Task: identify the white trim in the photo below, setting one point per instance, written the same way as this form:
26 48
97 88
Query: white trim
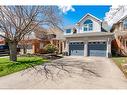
85 48
97 40
87 26
88 31
108 48
76 41
107 51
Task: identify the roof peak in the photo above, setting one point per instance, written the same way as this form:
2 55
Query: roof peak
89 15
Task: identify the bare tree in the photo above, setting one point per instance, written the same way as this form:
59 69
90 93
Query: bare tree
17 21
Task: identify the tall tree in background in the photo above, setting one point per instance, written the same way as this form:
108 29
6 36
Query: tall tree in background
17 21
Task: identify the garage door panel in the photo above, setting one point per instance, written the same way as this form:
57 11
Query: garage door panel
76 49
97 49
77 52
97 53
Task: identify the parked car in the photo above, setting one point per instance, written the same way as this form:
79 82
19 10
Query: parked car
4 50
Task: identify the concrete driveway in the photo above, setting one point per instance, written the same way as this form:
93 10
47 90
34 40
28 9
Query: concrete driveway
84 73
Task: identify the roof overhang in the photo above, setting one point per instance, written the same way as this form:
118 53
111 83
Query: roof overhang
92 34
62 39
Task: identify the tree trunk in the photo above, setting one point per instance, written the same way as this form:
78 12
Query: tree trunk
24 49
13 51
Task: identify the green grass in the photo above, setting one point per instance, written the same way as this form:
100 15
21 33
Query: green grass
8 67
119 61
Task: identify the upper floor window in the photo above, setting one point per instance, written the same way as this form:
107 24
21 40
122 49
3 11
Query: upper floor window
125 24
88 25
68 30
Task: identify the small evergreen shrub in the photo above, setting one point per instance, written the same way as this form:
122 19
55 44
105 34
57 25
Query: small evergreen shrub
50 48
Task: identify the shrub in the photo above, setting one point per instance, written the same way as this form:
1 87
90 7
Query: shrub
50 48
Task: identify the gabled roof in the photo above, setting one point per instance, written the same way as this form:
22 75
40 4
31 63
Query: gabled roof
88 14
117 22
56 31
69 26
122 18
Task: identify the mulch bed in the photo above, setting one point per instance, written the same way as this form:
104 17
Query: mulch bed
46 56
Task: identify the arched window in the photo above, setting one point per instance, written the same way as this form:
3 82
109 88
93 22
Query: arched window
88 25
125 24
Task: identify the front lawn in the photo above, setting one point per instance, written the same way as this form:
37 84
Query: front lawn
8 67
119 62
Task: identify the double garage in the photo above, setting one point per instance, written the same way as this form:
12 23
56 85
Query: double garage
92 48
89 44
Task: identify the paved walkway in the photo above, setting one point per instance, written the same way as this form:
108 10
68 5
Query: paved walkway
86 72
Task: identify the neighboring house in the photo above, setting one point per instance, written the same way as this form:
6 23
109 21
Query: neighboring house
88 38
59 39
37 40
117 19
32 43
119 45
2 41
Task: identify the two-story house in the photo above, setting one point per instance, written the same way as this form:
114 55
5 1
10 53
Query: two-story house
88 38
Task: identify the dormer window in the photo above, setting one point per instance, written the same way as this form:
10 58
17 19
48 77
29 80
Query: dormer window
88 25
68 30
125 24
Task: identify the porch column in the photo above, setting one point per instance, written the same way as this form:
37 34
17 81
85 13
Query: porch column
51 41
59 46
108 54
86 48
67 47
63 47
33 46
125 44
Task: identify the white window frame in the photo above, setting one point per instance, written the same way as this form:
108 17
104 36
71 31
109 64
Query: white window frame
87 26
